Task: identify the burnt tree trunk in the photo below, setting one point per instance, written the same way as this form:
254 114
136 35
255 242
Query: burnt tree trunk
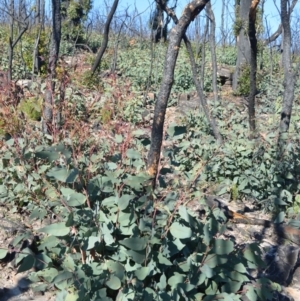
203 51
199 88
212 42
175 37
53 58
243 44
289 76
99 56
253 64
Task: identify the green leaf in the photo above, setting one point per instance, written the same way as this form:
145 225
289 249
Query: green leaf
163 260
162 284
135 243
279 218
58 229
250 293
133 154
136 256
90 242
176 279
223 247
62 276
180 231
118 138
116 268
72 198
240 268
27 263
124 200
142 273
207 271
3 253
113 283
42 261
63 174
48 274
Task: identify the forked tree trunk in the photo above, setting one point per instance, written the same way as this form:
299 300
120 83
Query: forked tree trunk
99 56
175 37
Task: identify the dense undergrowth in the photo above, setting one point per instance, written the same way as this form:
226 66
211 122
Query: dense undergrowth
112 237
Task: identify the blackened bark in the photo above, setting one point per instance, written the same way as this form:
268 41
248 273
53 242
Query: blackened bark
212 42
253 64
53 57
203 51
289 76
175 37
197 83
99 56
243 44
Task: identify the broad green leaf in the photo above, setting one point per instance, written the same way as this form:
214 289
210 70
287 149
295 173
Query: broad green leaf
207 271
240 268
48 274
72 198
279 218
180 231
3 191
27 263
62 276
48 243
116 268
212 288
3 253
250 293
113 283
162 282
222 247
58 229
232 286
142 273
42 261
124 200
112 165
176 279
119 138
163 260
63 174
136 256
135 243
133 154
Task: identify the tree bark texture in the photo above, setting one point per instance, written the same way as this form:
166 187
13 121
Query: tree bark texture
212 42
289 76
53 57
203 102
253 64
99 56
175 37
243 44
